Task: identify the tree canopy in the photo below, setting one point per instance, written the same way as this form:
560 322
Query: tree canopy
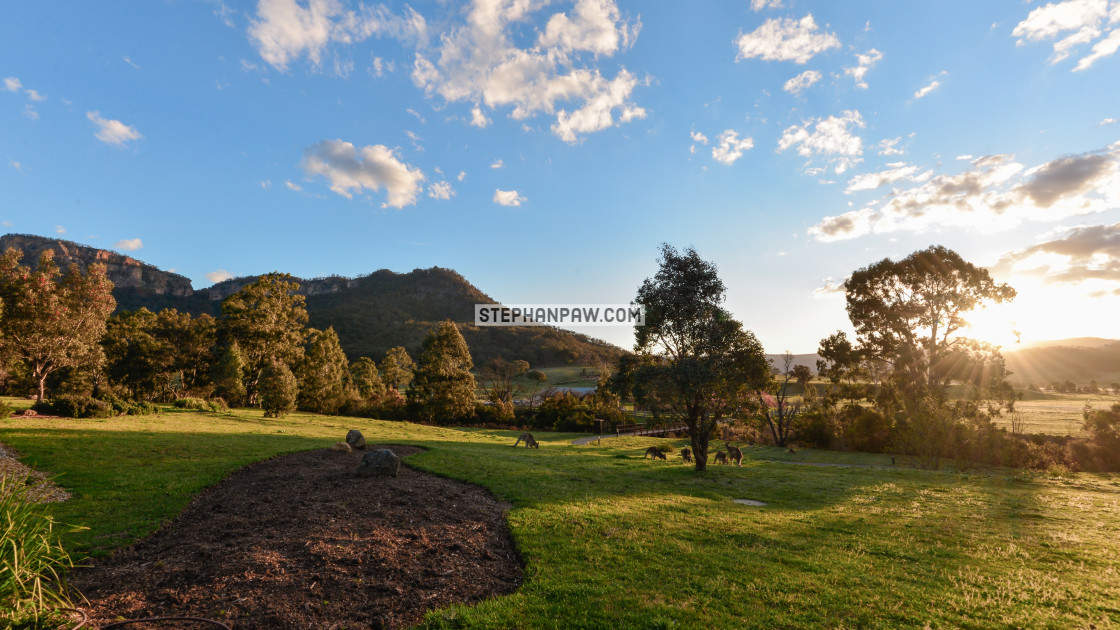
693 360
443 388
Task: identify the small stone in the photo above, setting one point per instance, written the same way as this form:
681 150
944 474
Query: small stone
342 446
355 440
379 463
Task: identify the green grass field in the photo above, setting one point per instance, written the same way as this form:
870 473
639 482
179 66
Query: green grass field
611 540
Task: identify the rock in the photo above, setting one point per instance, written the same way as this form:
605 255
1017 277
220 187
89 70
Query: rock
342 446
379 463
355 440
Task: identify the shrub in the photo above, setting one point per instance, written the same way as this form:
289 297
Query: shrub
33 562
75 407
278 389
199 404
665 448
6 410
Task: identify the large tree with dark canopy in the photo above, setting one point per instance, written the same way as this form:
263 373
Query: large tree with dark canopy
909 313
693 360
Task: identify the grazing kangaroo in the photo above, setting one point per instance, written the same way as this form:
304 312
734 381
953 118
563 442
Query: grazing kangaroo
735 454
529 441
721 457
652 452
686 454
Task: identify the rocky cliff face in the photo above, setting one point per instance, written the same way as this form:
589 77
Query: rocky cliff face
315 286
125 272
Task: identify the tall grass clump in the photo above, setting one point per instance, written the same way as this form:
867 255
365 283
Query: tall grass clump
33 562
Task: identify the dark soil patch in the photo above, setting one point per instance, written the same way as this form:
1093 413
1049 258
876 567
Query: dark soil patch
301 542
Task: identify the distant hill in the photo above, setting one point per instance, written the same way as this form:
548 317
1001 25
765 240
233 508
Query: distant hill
370 313
808 360
1079 360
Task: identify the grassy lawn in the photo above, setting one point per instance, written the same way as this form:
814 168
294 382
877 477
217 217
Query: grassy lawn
612 540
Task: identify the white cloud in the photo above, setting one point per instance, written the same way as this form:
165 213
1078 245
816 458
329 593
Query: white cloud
1084 20
508 197
35 95
30 111
830 287
1078 254
1105 47
802 82
128 244
497 163
266 184
479 61
462 175
221 275
899 171
285 30
350 169
758 5
113 131
889 146
58 229
16 165
12 84
130 62
1106 121
921 93
729 147
292 185
785 39
866 61
698 137
996 193
478 119
441 190
830 137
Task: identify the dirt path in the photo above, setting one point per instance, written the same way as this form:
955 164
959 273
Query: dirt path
300 542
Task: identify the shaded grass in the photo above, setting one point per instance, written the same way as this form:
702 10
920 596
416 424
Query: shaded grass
613 540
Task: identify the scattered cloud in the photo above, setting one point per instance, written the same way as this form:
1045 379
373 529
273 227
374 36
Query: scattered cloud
266 184
898 171
698 137
829 287
416 114
283 30
478 61
1073 23
16 165
128 244
12 84
497 163
829 137
923 92
1106 121
995 193
35 95
441 190
801 82
508 197
1077 254
30 112
729 147
462 175
478 119
221 275
292 185
758 5
350 169
58 229
785 39
130 62
889 146
866 61
112 131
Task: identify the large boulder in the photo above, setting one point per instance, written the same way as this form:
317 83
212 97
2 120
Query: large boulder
355 440
379 463
342 446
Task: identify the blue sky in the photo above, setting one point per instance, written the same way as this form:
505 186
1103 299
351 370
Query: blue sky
545 149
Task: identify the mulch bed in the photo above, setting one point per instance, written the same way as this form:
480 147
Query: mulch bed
300 541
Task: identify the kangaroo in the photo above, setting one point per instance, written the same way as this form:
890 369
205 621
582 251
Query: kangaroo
652 453
721 457
735 454
529 441
686 454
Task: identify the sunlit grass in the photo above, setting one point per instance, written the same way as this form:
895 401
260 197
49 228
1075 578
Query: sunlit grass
613 540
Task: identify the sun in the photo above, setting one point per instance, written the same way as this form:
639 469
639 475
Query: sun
995 324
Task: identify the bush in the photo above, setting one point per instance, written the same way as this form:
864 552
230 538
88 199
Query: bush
6 410
665 448
199 404
75 407
33 562
278 389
